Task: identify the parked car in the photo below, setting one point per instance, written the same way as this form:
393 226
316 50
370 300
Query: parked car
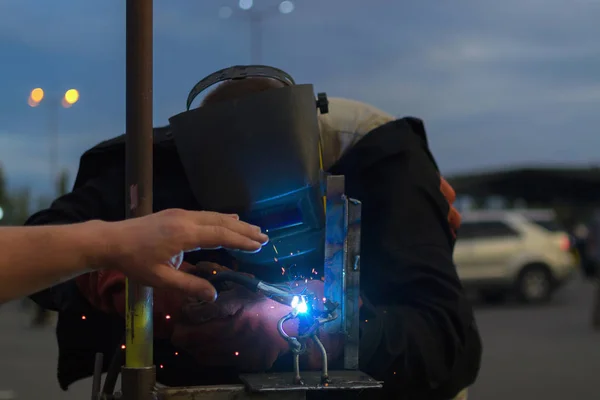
521 252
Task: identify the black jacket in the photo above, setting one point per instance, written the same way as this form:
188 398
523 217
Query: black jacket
421 337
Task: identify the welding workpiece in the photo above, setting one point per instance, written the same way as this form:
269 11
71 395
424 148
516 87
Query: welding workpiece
310 321
308 330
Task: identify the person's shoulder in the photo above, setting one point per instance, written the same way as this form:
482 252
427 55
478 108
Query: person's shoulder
395 138
160 135
109 155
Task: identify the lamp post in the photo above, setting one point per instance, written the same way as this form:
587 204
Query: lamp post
255 19
70 97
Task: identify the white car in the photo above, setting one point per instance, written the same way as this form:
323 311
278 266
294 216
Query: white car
522 252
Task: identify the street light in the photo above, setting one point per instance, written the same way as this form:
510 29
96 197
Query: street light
256 18
36 96
70 97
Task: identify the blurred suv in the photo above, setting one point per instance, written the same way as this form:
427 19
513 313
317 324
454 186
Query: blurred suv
521 252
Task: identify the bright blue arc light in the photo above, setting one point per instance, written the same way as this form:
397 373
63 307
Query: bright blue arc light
299 304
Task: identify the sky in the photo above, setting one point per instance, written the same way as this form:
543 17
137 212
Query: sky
498 83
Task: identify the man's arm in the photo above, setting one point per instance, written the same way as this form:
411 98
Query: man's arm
147 249
99 198
34 258
418 331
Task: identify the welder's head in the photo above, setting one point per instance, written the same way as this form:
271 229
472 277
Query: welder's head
253 148
236 89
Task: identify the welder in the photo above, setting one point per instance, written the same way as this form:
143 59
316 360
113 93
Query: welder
257 144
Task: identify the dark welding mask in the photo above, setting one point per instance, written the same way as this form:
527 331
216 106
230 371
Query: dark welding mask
259 156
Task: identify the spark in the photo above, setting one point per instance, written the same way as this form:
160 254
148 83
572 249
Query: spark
83 317
275 258
176 353
123 346
282 271
275 248
161 366
237 353
167 316
214 272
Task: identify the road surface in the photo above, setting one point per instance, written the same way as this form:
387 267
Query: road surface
530 353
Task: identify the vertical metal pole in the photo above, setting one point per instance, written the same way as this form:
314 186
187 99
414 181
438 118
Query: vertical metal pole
138 377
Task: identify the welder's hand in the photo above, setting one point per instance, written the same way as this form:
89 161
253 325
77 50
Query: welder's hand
147 248
105 290
238 330
208 270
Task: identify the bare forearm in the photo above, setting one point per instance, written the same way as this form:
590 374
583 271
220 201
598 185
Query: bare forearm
36 257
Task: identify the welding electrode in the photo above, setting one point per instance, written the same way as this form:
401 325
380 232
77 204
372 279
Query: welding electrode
253 284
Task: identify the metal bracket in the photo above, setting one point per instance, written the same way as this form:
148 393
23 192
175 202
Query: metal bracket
342 265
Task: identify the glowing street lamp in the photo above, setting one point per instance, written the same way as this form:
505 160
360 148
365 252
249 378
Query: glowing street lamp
36 96
70 97
256 19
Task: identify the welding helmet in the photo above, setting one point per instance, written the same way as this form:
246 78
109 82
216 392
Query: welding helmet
259 156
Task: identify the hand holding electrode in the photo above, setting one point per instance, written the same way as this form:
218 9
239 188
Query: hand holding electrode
241 329
144 248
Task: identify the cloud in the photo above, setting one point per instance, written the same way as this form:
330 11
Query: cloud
65 26
479 50
496 82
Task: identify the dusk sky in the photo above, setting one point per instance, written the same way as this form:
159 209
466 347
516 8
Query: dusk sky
498 83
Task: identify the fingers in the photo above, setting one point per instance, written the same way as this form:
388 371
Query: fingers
211 236
230 222
187 283
447 191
